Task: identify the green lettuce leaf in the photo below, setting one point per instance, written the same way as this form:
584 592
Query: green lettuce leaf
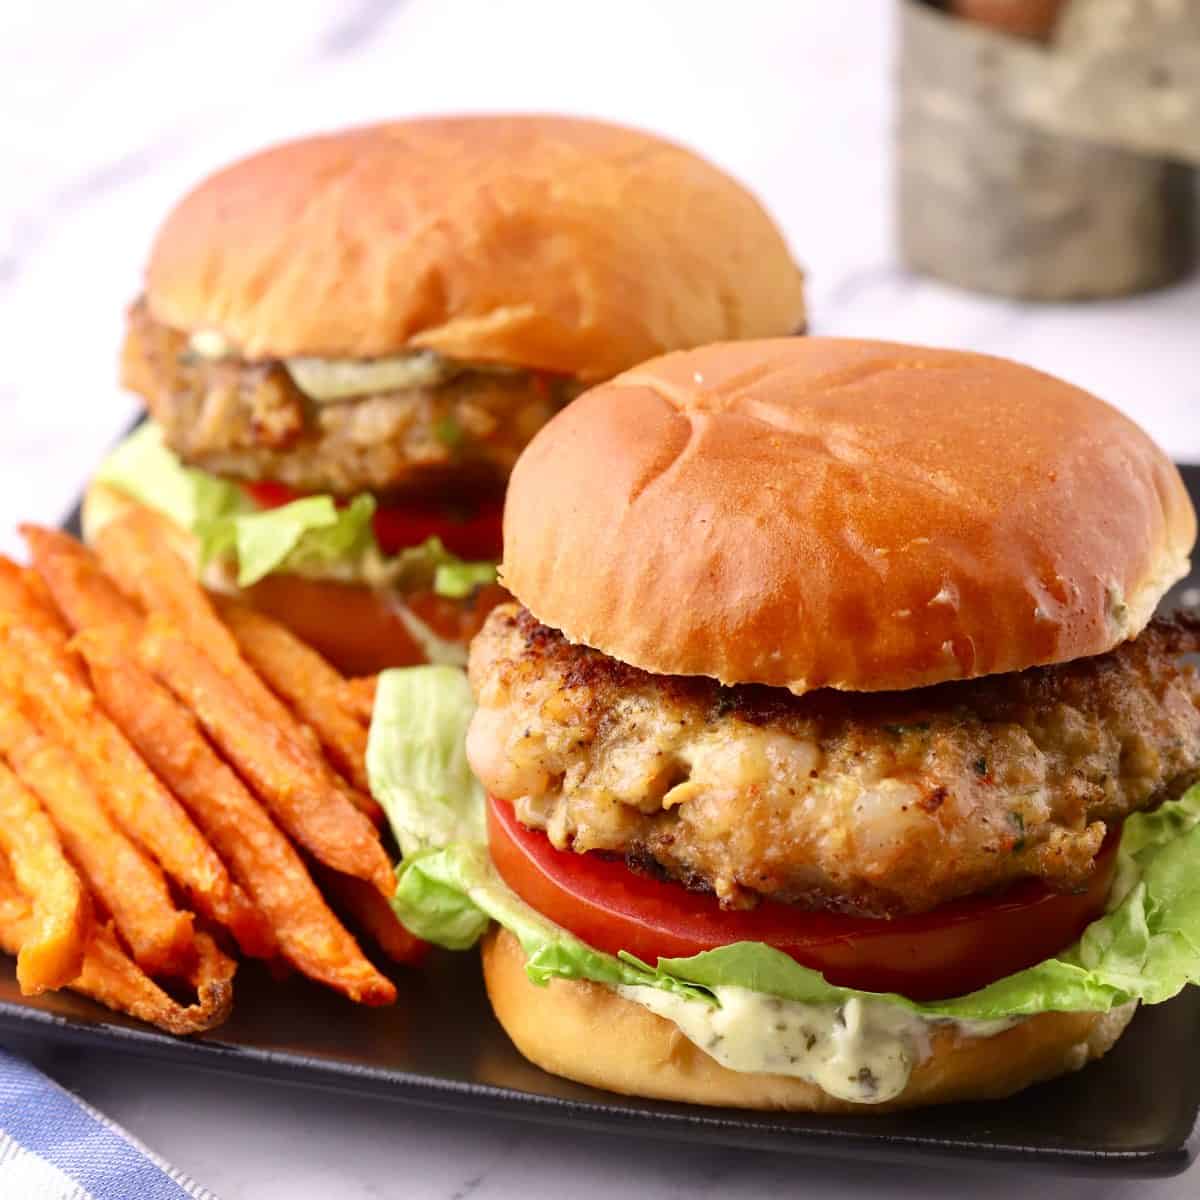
437 897
451 896
313 535
417 761
1146 947
458 579
143 467
311 532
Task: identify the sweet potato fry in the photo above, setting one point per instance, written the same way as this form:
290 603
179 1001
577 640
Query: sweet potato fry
137 552
15 911
66 708
135 701
51 954
113 979
41 611
109 976
358 697
90 601
306 682
279 770
131 887
261 858
309 936
213 965
365 909
23 601
72 576
24 604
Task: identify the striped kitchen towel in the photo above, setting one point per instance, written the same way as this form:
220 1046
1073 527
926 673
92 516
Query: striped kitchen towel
53 1146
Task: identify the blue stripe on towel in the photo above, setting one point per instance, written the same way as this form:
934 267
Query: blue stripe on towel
98 1159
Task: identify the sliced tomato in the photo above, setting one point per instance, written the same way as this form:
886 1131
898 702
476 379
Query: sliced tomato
266 494
950 951
473 533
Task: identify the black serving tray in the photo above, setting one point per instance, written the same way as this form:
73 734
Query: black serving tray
1133 1113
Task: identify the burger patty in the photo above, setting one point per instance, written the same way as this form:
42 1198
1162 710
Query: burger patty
867 803
249 420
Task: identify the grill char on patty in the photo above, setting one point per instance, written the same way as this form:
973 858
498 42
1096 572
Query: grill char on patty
249 420
869 803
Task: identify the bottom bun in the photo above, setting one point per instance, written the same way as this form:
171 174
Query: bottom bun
355 627
586 1032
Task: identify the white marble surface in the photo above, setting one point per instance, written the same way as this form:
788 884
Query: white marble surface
107 111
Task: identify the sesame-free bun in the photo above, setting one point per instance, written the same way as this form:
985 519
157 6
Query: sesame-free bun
547 242
819 512
588 1033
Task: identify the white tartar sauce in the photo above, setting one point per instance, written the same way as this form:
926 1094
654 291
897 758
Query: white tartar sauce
863 1050
331 379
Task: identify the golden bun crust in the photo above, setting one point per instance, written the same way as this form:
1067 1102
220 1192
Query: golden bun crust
586 1032
823 512
547 242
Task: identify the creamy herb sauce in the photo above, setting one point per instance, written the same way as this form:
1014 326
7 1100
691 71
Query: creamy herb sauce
862 1050
326 379
329 379
208 343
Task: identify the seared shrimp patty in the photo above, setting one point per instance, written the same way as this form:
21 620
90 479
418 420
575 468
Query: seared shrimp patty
876 804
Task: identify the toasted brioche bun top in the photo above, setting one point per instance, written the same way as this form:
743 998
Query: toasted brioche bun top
554 243
820 512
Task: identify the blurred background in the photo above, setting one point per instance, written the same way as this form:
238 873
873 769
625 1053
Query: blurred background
109 112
